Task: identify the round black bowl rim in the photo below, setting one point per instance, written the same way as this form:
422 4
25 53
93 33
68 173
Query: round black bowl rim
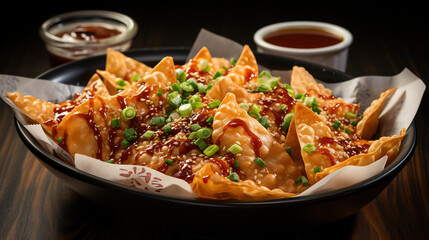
46 158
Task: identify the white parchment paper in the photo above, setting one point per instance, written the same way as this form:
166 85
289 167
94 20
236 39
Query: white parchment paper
398 113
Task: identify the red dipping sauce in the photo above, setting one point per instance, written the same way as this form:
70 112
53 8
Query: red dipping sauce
303 38
89 33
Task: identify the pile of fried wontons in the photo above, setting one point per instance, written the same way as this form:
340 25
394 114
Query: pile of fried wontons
228 129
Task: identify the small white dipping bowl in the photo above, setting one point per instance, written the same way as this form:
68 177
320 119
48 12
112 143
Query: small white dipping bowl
334 56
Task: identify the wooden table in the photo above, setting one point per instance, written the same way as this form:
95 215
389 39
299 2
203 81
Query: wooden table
34 204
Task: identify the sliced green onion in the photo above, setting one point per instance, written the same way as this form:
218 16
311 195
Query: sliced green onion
316 109
255 108
262 88
346 130
289 89
193 135
185 110
201 144
204 133
210 150
298 180
168 128
137 77
180 75
233 177
236 164
110 161
336 125
197 105
283 107
289 150
193 82
300 96
201 88
168 161
210 119
214 104
286 121
209 86
260 162
195 127
128 113
115 122
174 99
310 148
244 106
203 65
233 61
217 74
350 115
118 89
159 92
148 134
125 143
234 149
309 101
121 82
255 115
305 182
317 169
195 98
264 122
157 121
186 86
60 139
130 134
176 87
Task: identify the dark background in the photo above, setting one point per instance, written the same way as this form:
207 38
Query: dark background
388 37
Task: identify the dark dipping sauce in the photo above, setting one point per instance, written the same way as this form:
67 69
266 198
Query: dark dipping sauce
303 38
89 33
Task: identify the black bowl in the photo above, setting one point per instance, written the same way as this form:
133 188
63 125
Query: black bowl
314 209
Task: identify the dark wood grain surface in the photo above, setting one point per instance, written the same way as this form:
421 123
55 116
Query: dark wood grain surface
34 204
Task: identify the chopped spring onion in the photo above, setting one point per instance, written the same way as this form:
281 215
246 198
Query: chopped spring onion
159 92
255 108
233 61
233 177
317 169
209 86
110 161
236 164
346 130
201 88
118 89
136 77
286 121
305 182
316 109
244 106
350 115
217 74
186 86
204 133
168 128
193 82
168 161
130 134
60 139
148 134
121 82
128 113
255 115
264 122
336 125
310 148
214 104
289 89
210 119
195 127
234 149
180 75
157 121
193 135
260 162
310 101
210 150
197 105
201 144
115 122
185 110
125 143
300 96
174 99
283 107
262 88
203 65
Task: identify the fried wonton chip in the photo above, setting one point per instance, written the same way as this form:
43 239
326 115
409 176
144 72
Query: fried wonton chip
124 67
233 125
302 81
202 61
385 146
225 85
368 126
86 130
246 69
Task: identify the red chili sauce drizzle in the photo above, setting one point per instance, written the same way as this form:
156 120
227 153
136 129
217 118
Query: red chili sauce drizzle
348 146
236 122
